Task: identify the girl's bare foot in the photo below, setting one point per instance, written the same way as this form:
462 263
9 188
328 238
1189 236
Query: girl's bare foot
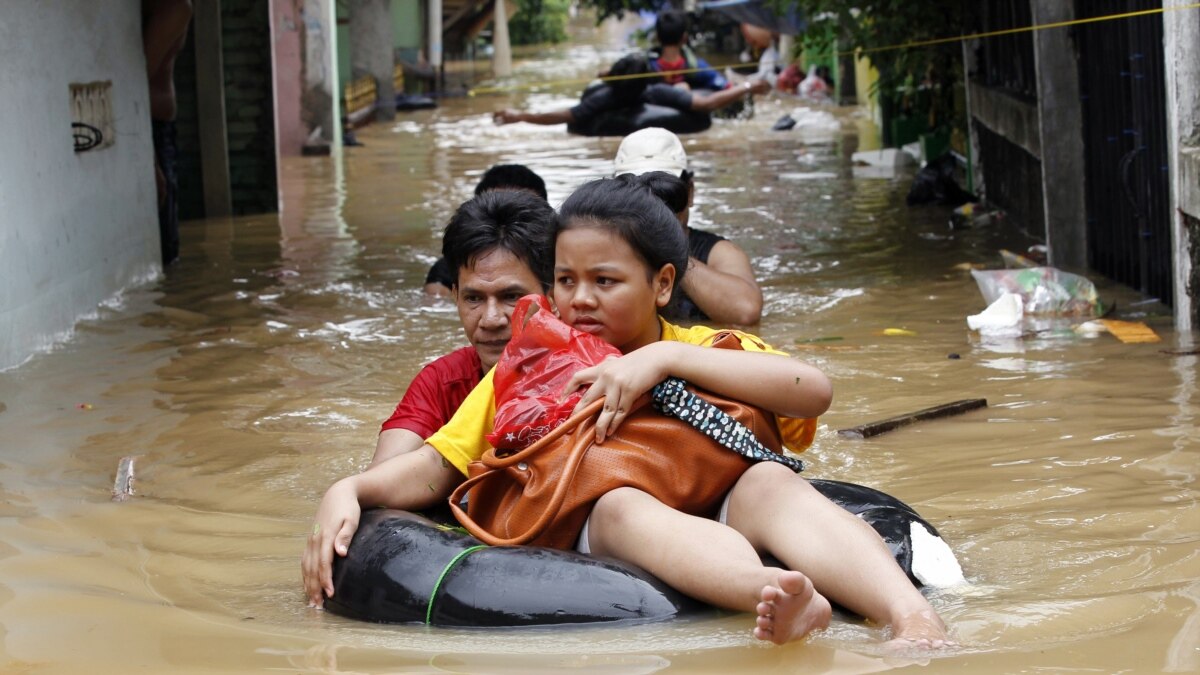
924 630
790 609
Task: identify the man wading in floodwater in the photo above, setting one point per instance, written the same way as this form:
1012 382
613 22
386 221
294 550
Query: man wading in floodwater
164 30
495 243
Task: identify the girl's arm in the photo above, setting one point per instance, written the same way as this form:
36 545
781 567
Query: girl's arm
775 382
411 481
392 442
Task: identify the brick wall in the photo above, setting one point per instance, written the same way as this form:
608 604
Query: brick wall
249 105
249 113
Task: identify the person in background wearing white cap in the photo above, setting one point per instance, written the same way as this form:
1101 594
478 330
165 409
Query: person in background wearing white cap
719 285
636 84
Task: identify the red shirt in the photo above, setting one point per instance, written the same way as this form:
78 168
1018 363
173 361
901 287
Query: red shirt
436 393
666 66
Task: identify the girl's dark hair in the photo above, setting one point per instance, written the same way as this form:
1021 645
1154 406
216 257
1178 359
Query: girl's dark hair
628 209
671 190
510 220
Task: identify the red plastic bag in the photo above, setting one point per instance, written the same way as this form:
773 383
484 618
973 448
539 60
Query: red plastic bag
537 363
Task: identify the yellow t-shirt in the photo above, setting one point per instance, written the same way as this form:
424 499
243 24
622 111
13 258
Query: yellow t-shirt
461 441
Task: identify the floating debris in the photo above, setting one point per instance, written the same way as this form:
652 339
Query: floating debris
1131 332
123 485
944 410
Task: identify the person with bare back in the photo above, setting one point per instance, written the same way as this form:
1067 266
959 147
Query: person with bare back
164 30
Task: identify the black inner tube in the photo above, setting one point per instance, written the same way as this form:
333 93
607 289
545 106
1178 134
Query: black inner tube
406 568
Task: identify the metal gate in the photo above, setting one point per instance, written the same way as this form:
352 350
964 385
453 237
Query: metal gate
1125 145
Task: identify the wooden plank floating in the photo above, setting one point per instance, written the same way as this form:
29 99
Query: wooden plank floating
1132 332
123 486
891 423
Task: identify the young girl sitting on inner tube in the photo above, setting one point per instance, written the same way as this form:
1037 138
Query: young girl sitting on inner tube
619 253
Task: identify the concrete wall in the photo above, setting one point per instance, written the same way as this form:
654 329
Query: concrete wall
74 228
1008 116
287 22
320 99
305 76
372 51
1181 42
1060 116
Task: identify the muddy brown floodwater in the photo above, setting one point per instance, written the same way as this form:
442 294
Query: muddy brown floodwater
258 370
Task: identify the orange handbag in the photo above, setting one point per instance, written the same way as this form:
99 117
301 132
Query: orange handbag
543 494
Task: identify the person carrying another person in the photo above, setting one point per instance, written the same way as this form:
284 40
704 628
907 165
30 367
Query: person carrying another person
496 244
618 251
632 82
439 282
719 285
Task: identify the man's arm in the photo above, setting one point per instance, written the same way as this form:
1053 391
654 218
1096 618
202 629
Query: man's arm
709 77
509 116
725 288
708 102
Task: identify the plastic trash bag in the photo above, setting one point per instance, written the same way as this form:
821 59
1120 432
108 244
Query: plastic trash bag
1002 318
815 125
1046 291
537 363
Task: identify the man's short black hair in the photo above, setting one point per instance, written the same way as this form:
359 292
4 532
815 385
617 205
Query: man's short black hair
670 27
631 75
511 177
511 220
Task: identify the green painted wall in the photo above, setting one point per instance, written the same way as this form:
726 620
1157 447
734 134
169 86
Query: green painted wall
407 26
343 48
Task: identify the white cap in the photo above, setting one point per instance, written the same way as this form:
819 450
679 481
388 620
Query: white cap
652 149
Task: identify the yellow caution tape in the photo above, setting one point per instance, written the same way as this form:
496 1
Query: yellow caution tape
862 50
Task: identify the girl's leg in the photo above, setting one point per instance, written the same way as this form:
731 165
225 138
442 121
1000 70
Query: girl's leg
706 560
779 513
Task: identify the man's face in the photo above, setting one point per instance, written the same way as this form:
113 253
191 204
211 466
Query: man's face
486 294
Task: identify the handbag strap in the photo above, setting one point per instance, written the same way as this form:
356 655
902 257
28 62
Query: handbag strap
557 497
670 397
